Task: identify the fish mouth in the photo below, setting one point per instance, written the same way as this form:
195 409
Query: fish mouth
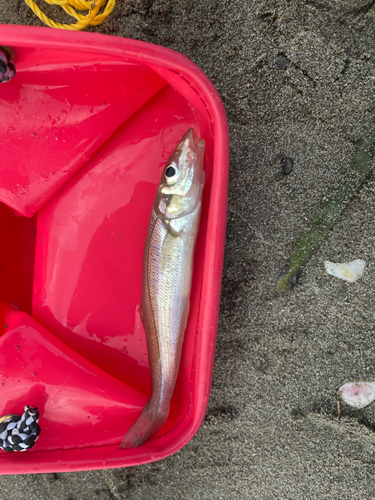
194 146
191 136
191 141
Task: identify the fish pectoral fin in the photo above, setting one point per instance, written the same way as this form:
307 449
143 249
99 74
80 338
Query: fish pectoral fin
174 232
181 225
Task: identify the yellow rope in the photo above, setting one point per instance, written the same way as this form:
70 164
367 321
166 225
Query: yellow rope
69 5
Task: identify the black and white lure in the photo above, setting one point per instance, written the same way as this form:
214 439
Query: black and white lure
19 433
7 67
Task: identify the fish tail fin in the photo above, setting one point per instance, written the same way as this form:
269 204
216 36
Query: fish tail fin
149 423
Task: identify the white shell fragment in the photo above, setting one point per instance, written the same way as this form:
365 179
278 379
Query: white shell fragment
348 271
358 394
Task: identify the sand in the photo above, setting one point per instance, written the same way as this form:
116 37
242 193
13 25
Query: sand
297 80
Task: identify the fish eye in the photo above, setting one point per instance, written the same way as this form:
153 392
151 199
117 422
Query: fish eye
171 173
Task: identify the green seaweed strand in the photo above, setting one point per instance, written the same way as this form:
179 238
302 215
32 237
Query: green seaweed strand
330 210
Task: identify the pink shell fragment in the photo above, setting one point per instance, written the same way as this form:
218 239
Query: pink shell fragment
358 394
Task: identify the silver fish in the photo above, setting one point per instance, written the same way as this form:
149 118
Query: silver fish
167 275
